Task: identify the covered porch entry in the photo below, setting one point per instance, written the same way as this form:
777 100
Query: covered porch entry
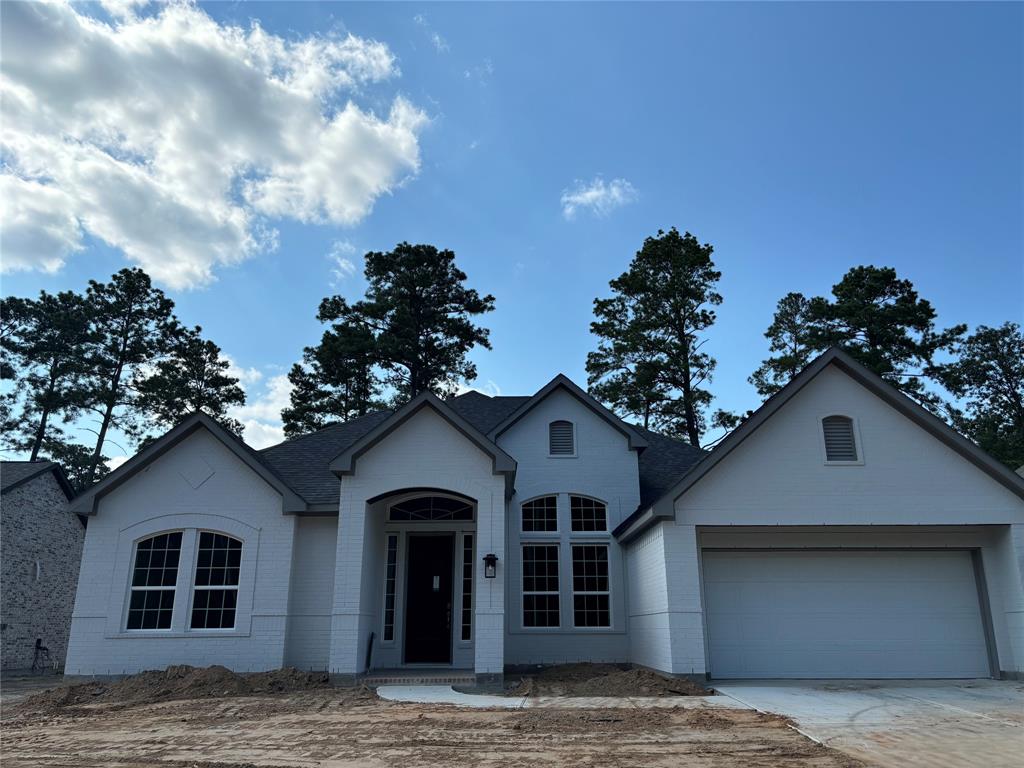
426 580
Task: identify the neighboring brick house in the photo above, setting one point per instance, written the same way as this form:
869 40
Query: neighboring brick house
40 553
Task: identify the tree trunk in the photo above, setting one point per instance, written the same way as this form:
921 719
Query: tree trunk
37 442
108 414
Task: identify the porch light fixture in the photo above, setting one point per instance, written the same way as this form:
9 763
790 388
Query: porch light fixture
490 565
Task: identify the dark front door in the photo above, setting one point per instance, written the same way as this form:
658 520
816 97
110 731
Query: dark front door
428 600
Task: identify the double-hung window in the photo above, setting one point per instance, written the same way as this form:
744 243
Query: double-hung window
154 578
540 585
215 597
590 588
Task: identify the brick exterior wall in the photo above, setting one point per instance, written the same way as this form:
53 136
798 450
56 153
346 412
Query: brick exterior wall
35 526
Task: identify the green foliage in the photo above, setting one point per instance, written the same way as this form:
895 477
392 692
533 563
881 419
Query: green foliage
76 461
412 331
336 380
790 336
989 376
649 363
43 342
133 325
420 314
877 318
192 378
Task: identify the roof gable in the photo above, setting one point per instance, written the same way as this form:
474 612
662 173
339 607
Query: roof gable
636 440
880 388
87 502
345 462
14 474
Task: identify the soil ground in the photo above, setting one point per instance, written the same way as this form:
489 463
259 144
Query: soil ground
188 718
601 680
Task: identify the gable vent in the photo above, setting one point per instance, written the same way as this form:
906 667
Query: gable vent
840 444
560 438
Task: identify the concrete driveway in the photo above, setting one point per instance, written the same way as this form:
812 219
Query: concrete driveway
901 723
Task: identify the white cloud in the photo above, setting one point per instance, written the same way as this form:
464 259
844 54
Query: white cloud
481 72
489 388
439 43
597 196
116 461
176 139
262 416
259 435
342 252
246 376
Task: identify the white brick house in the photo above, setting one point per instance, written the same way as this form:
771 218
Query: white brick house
841 531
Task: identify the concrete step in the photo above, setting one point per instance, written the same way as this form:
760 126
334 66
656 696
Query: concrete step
412 677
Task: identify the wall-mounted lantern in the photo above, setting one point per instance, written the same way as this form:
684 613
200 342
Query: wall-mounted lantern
490 566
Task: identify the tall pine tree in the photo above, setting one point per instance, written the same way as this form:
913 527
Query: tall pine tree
650 360
881 321
412 332
988 375
192 378
790 336
44 344
133 325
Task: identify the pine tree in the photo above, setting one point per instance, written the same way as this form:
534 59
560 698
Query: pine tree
649 361
192 378
44 343
133 325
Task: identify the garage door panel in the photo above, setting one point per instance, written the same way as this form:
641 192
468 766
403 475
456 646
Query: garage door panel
843 614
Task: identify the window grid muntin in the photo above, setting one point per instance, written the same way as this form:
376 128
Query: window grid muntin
541 606
540 515
840 439
215 591
561 438
430 509
588 515
467 586
389 587
591 585
154 579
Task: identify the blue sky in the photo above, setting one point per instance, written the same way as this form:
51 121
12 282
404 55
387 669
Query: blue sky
798 139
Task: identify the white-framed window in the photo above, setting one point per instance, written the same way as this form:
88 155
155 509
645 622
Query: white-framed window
390 578
215 589
561 438
466 630
540 515
839 434
591 591
540 586
154 580
587 515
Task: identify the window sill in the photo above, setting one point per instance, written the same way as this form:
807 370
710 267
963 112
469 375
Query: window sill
130 634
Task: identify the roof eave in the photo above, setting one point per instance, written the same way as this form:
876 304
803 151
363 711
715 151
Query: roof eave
637 442
87 503
345 462
875 384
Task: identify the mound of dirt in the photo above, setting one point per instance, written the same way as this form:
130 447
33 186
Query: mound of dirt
603 680
589 721
177 682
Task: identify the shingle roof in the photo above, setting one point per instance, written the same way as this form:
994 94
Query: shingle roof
664 462
15 473
303 461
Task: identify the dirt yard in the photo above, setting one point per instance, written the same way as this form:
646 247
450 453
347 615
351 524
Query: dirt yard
202 719
601 680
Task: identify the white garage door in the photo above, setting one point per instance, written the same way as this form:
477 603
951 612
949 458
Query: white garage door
821 614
